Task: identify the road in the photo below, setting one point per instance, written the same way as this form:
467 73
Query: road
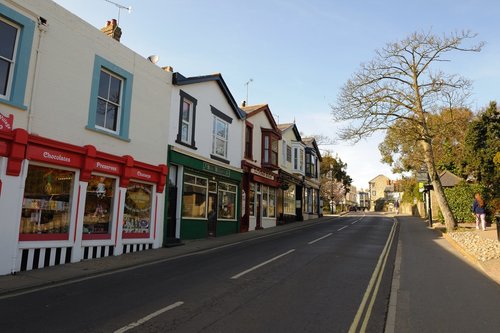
332 276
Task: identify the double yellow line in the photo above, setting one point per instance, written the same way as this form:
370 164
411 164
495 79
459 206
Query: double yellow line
373 286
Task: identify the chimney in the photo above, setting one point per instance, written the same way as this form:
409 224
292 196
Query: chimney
243 104
168 69
112 30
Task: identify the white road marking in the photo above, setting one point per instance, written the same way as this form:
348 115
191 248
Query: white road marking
343 227
317 240
260 265
148 317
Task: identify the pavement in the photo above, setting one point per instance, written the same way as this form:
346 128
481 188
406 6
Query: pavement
22 282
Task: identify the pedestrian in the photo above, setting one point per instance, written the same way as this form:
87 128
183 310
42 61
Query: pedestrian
478 208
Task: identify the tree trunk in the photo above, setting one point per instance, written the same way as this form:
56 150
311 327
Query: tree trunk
449 219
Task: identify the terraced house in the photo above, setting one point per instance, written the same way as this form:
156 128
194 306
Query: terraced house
82 142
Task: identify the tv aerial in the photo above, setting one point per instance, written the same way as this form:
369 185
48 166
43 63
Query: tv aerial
120 7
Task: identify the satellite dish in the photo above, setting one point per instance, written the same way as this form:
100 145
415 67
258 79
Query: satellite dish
153 58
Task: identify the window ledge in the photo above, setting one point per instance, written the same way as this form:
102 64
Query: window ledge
186 144
116 136
218 158
16 105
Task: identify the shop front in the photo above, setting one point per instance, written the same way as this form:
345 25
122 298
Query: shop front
311 206
203 197
290 198
260 188
75 203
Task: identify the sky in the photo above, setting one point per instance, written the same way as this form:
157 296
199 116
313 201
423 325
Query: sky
295 55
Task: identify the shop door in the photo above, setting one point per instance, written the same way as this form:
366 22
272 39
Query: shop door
212 214
259 212
172 212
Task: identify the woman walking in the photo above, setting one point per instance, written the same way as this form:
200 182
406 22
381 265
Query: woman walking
478 208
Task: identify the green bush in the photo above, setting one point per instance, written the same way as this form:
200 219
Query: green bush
460 199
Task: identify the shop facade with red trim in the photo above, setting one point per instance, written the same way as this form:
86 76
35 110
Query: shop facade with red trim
64 203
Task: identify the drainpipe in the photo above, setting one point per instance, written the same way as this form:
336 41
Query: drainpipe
42 27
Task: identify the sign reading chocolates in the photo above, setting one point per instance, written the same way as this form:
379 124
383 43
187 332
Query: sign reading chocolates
53 156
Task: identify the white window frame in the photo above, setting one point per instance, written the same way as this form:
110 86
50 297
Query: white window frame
216 136
188 123
119 105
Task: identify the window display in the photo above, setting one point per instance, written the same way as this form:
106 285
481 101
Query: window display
138 203
99 205
47 201
227 201
194 197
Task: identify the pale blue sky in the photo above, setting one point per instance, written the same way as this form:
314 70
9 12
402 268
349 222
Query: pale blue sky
300 52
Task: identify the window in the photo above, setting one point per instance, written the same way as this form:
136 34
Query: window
289 200
220 138
248 141
8 44
288 154
108 102
296 158
301 159
16 39
111 97
46 203
270 149
99 206
268 201
227 201
137 213
251 199
311 165
187 118
194 197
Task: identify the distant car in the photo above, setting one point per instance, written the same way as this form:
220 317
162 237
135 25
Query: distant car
353 209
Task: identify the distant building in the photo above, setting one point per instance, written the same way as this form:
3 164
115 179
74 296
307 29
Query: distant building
381 193
363 200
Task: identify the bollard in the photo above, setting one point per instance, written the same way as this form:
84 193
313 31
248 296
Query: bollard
497 218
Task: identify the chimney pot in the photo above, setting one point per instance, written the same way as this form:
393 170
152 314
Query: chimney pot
112 30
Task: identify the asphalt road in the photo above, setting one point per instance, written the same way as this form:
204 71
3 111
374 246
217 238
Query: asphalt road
329 277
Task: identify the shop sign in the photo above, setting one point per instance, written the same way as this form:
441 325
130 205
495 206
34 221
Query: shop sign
6 123
216 169
262 174
144 175
107 167
53 156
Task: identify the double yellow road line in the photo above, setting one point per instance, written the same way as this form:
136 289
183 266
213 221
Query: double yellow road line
372 289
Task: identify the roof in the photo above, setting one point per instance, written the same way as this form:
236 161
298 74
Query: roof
252 110
180 80
286 127
311 142
449 179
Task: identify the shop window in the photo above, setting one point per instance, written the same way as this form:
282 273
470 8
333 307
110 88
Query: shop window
251 199
289 201
265 198
194 197
111 97
99 199
268 201
16 39
187 120
138 208
272 202
46 204
227 201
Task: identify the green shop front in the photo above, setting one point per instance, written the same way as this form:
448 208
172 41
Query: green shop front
203 198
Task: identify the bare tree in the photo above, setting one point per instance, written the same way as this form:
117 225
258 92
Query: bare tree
399 88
